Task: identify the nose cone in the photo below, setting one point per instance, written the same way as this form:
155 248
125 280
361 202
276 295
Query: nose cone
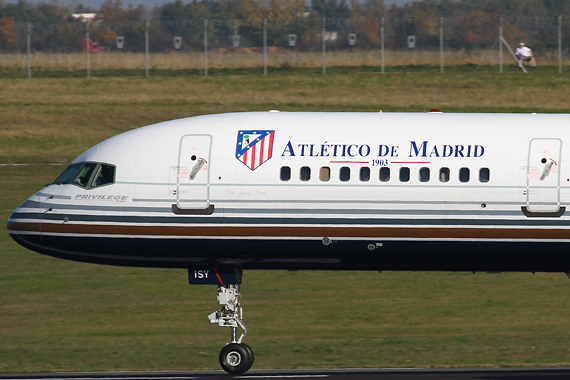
24 225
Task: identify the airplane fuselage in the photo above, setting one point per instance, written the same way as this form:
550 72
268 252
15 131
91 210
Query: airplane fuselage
333 191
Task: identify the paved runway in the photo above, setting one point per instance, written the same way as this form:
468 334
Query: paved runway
329 374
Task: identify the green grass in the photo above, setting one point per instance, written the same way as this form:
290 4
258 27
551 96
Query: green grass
22 73
55 119
57 315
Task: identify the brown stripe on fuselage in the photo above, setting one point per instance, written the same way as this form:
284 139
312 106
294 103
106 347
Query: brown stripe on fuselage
24 227
492 232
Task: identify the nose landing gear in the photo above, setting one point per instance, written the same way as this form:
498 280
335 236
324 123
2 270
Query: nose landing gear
236 357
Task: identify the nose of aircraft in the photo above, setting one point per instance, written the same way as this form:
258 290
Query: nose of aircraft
24 224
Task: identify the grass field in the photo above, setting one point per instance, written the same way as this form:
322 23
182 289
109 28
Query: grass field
57 315
193 63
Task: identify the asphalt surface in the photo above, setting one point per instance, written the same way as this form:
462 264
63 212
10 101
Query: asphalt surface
330 374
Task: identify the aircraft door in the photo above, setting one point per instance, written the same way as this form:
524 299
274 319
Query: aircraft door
543 175
193 182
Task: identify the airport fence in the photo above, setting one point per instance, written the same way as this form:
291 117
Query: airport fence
308 41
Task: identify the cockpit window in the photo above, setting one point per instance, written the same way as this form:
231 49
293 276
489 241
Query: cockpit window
105 174
82 178
87 174
68 174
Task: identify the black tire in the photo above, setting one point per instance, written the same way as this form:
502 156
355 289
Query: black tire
235 358
250 352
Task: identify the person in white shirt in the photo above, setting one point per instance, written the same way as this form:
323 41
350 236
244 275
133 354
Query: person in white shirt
525 54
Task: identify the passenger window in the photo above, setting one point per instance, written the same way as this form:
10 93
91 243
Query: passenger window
484 175
325 174
464 175
404 174
365 174
104 175
344 174
444 175
384 174
285 173
305 173
424 174
82 178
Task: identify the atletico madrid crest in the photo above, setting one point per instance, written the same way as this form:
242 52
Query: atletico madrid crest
253 148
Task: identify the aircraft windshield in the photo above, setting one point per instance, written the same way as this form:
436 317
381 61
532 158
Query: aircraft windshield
82 178
105 175
82 173
68 174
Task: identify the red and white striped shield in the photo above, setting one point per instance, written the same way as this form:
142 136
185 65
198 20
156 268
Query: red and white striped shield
255 147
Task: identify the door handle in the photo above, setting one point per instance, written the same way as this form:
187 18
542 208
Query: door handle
196 168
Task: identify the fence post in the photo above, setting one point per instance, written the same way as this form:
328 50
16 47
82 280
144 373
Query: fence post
324 46
29 49
382 43
206 47
559 44
501 44
88 49
146 53
441 45
265 46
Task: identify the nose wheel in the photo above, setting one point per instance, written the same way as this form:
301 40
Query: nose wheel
236 357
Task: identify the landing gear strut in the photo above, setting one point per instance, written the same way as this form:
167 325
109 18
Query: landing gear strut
235 357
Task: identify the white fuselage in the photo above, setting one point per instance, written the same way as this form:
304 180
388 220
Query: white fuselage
277 190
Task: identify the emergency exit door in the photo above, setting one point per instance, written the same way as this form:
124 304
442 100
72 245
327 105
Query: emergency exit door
193 182
543 175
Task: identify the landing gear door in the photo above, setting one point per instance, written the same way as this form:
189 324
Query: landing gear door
193 182
543 175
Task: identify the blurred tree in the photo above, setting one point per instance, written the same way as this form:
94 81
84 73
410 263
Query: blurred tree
43 13
332 8
374 8
112 11
283 17
107 37
7 34
468 23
